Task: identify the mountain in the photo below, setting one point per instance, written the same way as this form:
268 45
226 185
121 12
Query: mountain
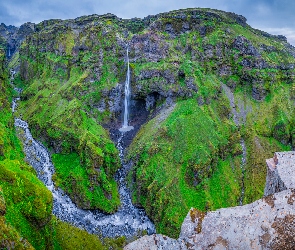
211 99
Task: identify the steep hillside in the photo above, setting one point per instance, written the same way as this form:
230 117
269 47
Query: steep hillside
209 151
26 220
26 204
217 96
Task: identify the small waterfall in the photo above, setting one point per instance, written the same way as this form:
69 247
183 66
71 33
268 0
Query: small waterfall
125 126
238 120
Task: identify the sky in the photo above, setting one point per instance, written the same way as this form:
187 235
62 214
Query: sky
273 16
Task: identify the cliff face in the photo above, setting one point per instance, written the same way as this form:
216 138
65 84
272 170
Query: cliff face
12 37
265 224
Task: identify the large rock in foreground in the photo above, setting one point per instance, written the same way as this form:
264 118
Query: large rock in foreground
268 223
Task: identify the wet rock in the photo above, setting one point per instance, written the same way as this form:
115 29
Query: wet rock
115 97
150 101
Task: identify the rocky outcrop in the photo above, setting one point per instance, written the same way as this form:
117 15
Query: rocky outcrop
274 182
267 223
11 37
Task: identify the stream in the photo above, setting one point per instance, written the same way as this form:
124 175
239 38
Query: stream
128 221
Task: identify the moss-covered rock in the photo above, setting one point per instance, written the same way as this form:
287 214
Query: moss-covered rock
69 237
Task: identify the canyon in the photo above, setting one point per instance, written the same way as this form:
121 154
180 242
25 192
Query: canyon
136 126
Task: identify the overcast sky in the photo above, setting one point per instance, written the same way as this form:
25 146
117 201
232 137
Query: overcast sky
273 16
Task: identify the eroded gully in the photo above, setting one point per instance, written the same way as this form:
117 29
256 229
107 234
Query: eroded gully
239 118
128 221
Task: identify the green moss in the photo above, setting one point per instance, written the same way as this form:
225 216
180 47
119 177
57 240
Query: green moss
28 202
10 238
183 162
185 159
14 61
57 113
74 179
70 237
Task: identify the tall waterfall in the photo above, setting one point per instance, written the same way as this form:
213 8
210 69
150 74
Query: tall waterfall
125 126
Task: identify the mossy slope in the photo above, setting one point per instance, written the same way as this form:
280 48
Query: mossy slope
26 220
28 202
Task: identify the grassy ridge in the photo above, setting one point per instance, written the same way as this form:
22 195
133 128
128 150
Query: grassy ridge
73 178
193 157
26 220
67 237
60 115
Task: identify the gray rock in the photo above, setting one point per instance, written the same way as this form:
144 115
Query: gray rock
258 91
150 102
274 183
154 242
245 47
190 84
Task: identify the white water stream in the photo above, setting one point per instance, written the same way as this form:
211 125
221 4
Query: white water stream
127 221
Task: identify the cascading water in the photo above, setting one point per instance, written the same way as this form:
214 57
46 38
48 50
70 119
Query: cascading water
125 126
237 117
128 221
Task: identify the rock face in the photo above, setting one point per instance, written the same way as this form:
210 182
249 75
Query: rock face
274 182
11 37
267 223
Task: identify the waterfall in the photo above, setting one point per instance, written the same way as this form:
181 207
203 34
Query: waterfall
8 51
125 126
129 221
